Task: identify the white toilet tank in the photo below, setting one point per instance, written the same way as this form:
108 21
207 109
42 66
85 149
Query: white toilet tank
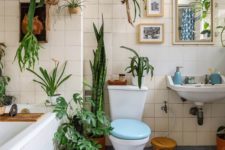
127 102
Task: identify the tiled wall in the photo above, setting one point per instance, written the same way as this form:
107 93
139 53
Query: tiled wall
64 43
165 57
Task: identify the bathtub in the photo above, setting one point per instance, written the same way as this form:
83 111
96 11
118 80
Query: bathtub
29 135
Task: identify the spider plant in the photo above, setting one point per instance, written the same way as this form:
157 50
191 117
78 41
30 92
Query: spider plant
139 66
72 5
221 34
28 50
50 81
137 10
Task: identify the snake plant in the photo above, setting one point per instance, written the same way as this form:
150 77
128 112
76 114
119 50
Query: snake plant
28 50
139 66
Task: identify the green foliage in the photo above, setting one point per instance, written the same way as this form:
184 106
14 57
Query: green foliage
72 4
99 70
221 132
4 80
2 54
138 66
50 81
67 136
28 50
221 34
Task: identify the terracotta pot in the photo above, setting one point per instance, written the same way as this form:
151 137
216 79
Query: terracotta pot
100 141
52 2
220 143
2 110
73 10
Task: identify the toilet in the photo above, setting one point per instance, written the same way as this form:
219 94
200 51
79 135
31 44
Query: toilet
126 110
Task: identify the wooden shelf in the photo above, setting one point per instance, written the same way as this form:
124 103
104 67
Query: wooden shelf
21 117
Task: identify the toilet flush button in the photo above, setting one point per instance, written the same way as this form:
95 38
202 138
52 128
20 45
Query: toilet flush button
130 129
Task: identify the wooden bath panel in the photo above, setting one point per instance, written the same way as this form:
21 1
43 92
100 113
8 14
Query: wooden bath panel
21 117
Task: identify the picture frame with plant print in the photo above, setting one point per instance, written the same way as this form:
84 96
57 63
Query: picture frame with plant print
39 22
151 33
155 8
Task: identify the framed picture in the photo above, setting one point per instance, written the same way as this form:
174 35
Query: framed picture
151 33
155 8
39 27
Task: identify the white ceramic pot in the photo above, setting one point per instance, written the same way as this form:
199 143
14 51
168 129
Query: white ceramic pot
2 110
134 81
53 99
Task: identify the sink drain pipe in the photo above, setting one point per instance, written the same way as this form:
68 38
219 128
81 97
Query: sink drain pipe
198 111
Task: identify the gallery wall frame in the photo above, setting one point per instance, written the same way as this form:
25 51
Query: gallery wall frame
39 23
155 8
151 33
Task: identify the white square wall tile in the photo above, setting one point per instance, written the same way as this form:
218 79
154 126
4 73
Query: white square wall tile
175 124
218 110
91 11
105 10
150 122
159 112
206 138
177 136
161 124
176 110
11 23
189 138
14 8
189 124
149 110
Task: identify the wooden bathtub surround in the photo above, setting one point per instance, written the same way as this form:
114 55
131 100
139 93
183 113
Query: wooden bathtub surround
21 117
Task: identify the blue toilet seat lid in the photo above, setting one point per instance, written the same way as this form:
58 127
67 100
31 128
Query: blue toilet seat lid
130 129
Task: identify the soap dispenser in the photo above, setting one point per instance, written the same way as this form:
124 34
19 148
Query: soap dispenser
177 78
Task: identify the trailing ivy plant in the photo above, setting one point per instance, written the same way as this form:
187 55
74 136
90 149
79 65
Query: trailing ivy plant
139 66
28 51
2 54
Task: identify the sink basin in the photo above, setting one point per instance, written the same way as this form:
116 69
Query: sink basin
198 93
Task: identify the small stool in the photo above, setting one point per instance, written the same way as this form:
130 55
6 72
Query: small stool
163 143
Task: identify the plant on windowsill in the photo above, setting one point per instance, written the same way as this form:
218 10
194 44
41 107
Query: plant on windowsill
139 66
73 6
99 71
51 81
28 51
4 80
220 139
77 121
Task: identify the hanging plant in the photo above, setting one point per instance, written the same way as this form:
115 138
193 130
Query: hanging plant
73 6
28 50
137 10
52 2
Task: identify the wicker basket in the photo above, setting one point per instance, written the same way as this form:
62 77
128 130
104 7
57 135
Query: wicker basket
2 110
52 2
74 10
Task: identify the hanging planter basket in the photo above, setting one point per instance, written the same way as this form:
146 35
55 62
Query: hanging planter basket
52 2
73 10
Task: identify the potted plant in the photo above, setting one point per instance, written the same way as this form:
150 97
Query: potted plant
51 81
72 133
52 2
99 71
220 139
28 50
73 6
139 67
4 100
206 31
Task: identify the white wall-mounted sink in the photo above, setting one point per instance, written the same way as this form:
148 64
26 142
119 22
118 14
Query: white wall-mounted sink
198 93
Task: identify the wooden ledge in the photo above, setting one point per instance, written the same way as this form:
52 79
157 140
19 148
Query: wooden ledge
21 117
